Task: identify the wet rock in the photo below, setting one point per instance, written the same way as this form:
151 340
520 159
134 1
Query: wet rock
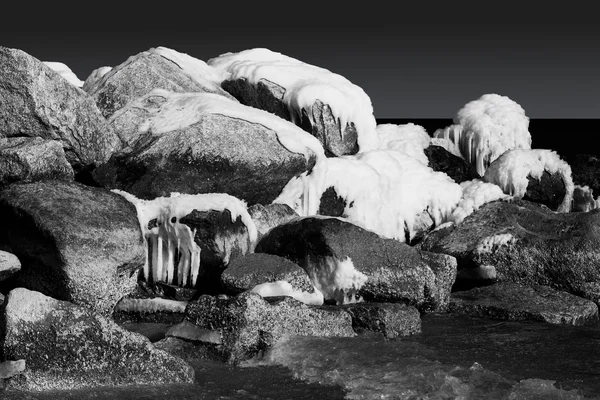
75 242
9 265
344 260
524 243
36 101
155 310
455 167
390 319
514 302
249 325
331 204
70 347
24 159
549 190
268 216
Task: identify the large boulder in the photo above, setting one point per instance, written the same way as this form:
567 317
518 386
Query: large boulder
348 263
75 242
24 159
70 347
524 243
205 143
455 167
36 101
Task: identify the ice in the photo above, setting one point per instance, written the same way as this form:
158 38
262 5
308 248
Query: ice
65 72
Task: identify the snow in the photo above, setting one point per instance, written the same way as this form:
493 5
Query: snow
283 288
476 193
95 77
65 72
487 127
511 169
304 84
408 138
172 238
447 144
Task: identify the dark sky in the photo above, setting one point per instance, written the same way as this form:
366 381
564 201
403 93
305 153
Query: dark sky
414 62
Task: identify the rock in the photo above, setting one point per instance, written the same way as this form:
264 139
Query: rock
9 265
9 369
92 80
344 260
249 325
36 101
514 302
583 199
332 204
214 153
24 159
269 216
138 76
75 242
390 319
585 170
156 310
524 243
549 190
455 167
70 347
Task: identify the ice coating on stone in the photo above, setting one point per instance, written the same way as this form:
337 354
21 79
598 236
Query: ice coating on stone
487 127
171 239
476 193
283 288
95 77
304 84
385 190
511 169
150 305
408 138
64 71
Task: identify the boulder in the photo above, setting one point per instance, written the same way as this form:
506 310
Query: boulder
390 319
455 167
75 242
9 265
36 101
248 325
66 346
514 302
524 243
345 261
26 159
269 216
549 190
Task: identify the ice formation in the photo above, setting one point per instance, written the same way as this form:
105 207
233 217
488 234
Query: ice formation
487 127
65 72
384 190
476 193
151 305
583 199
511 169
408 138
170 241
283 288
304 84
181 110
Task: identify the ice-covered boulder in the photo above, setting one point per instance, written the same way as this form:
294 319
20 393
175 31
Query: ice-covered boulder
29 159
66 346
336 111
64 71
36 101
75 242
206 143
487 127
350 264
9 265
156 68
408 138
522 242
476 193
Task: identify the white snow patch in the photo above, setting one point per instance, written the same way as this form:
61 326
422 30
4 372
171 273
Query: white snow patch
304 84
447 144
511 169
476 193
407 138
487 127
65 72
151 305
337 279
283 288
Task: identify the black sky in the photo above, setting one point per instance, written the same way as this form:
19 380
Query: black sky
414 62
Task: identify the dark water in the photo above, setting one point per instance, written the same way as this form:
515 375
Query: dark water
455 357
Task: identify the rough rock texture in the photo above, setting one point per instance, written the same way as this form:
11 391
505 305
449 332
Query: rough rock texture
25 159
268 96
248 324
253 269
525 243
549 190
269 216
75 242
396 272
138 76
9 265
390 319
514 302
585 170
332 204
37 101
218 154
455 167
69 347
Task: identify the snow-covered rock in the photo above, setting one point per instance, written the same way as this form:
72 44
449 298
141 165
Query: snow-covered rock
407 138
93 79
66 72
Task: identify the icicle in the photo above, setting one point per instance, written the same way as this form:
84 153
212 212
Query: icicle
170 261
195 266
184 267
146 269
159 258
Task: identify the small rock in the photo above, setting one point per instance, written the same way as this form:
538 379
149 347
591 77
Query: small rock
391 319
9 265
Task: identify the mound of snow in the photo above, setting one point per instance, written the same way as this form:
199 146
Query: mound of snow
408 138
65 72
476 193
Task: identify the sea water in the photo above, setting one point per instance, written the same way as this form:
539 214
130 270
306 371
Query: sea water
455 357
